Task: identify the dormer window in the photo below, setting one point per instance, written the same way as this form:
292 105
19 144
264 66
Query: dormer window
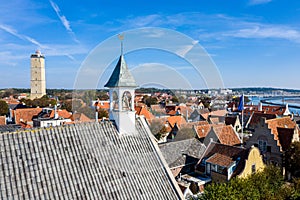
262 145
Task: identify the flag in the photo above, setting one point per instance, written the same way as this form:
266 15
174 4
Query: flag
241 103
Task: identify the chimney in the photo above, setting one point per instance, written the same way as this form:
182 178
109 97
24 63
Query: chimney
55 112
260 106
96 116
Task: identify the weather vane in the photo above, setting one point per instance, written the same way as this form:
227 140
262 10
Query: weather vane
121 38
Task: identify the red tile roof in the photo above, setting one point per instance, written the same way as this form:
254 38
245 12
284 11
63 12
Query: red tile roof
277 110
220 113
225 154
80 117
179 120
102 104
194 124
26 114
2 120
142 110
221 160
203 130
61 113
227 135
284 122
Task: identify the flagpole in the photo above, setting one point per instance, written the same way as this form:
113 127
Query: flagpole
243 123
241 108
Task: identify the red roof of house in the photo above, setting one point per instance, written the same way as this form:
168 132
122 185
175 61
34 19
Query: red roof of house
194 124
172 112
203 130
223 155
61 113
221 160
277 110
179 120
142 110
227 135
2 120
26 114
220 113
80 117
284 122
102 104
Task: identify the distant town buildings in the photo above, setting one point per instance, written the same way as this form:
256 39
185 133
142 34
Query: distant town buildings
38 78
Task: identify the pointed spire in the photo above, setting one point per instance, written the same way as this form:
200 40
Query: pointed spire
121 76
121 38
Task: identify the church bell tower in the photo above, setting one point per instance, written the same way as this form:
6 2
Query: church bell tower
122 86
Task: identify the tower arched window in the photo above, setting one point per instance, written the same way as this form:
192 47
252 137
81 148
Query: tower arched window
126 101
115 101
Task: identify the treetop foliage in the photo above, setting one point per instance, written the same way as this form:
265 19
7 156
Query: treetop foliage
268 184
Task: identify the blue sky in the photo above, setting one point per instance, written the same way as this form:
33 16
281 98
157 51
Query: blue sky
253 43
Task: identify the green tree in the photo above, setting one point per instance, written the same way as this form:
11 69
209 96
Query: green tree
292 159
149 100
3 108
158 129
175 99
267 184
102 113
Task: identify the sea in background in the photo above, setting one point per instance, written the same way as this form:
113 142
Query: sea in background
293 102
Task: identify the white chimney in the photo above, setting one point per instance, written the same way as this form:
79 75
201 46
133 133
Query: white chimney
55 112
260 106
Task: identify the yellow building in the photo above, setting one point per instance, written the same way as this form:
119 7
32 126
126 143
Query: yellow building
222 162
254 163
38 79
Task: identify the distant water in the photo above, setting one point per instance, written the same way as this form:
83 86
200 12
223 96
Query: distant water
292 101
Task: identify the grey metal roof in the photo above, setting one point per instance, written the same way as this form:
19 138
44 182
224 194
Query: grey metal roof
83 161
121 76
177 153
9 128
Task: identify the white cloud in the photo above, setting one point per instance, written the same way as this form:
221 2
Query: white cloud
13 32
266 31
256 2
63 20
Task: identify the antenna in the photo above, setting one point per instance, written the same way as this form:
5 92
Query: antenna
121 38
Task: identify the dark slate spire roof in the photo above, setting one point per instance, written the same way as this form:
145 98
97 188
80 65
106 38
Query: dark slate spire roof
121 76
83 161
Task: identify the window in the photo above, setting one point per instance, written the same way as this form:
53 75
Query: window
268 148
208 168
214 167
262 145
253 169
220 169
